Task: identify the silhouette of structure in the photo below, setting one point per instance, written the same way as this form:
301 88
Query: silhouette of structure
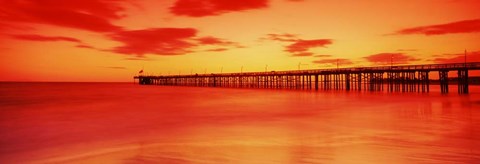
406 78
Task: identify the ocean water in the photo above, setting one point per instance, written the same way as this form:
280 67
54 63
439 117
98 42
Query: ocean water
128 123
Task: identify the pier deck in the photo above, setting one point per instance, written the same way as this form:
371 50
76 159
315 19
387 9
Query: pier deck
402 78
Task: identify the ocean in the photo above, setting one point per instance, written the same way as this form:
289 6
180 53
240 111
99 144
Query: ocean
130 123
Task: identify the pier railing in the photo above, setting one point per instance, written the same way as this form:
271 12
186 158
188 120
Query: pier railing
397 77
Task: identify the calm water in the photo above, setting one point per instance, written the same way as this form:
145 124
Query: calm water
126 123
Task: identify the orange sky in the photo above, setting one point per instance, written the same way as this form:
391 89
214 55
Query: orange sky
111 40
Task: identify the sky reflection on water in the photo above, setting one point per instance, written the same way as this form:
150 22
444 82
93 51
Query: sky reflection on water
126 123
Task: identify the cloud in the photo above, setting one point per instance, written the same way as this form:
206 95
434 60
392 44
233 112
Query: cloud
334 61
98 15
217 50
465 26
321 56
297 46
282 37
159 41
42 38
85 46
303 54
201 8
388 58
305 45
209 40
33 37
166 41
458 58
218 44
91 15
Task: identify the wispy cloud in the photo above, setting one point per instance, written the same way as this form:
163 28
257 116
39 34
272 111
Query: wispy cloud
209 40
281 37
201 8
85 46
303 54
388 58
458 58
300 46
217 50
464 26
41 38
218 43
322 56
297 46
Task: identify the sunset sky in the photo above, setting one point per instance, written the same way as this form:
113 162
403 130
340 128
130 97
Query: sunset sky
112 40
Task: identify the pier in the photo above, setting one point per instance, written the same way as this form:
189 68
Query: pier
404 78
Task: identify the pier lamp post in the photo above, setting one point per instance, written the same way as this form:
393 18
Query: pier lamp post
241 69
391 60
266 67
337 63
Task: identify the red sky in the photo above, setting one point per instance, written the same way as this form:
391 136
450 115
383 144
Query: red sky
111 40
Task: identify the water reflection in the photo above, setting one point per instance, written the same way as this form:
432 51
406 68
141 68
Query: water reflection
137 124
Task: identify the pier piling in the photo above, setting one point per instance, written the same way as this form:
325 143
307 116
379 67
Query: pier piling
407 78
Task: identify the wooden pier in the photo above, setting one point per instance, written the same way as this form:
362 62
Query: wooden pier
405 78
